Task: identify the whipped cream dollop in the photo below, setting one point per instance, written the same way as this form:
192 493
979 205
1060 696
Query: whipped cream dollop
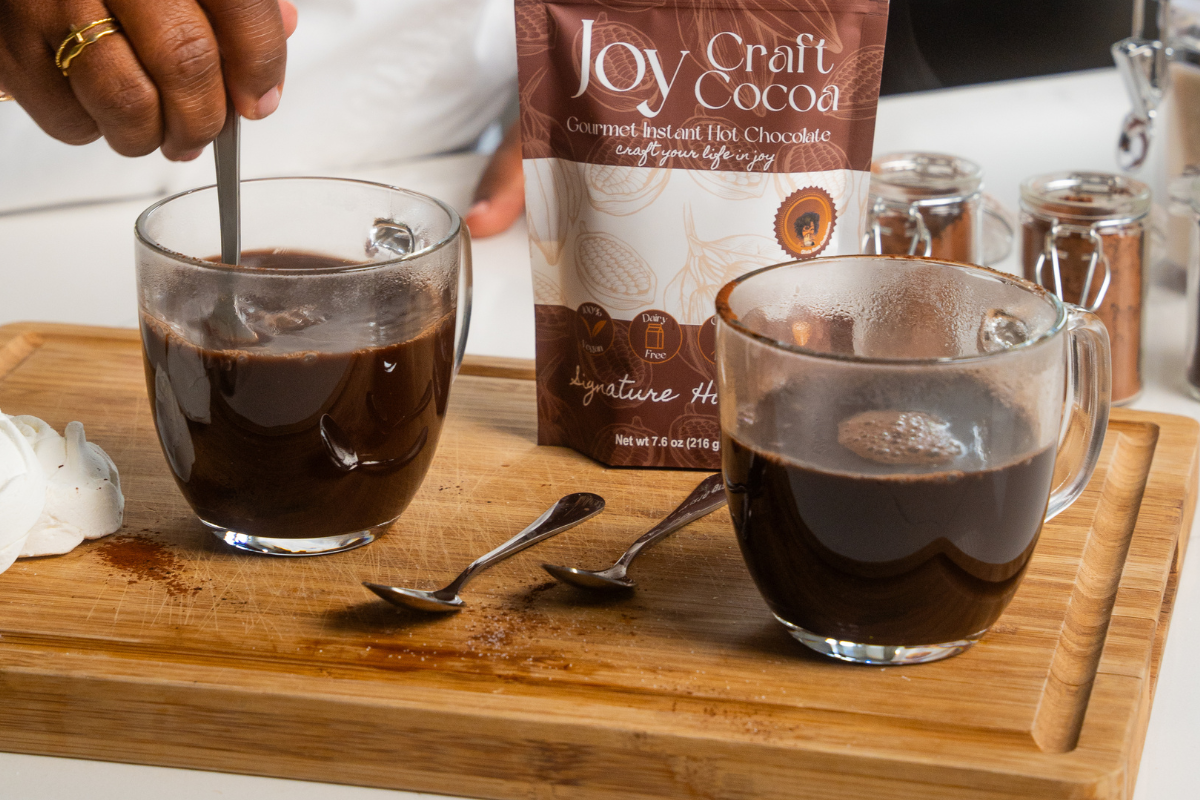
55 491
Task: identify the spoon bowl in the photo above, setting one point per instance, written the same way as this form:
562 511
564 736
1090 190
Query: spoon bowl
611 579
566 513
704 499
431 602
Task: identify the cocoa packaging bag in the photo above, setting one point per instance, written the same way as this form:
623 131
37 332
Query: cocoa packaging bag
669 147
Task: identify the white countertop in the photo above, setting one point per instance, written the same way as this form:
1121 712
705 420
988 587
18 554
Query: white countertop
76 265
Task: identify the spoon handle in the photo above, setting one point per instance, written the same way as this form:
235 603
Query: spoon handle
704 499
566 513
225 148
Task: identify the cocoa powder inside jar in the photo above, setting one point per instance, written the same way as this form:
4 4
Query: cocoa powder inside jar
951 232
1121 308
1085 210
944 190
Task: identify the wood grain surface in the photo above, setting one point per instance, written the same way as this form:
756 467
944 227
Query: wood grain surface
159 645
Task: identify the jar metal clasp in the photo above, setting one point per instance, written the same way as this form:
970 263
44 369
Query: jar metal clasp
1097 258
921 234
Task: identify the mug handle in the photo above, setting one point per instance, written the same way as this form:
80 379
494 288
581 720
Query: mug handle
1089 392
998 232
466 283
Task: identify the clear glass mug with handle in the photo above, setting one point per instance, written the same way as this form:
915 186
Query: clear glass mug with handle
299 397
890 428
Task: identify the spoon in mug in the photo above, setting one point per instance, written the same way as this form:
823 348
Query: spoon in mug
705 499
225 322
566 513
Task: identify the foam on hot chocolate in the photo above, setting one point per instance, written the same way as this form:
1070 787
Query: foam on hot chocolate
899 437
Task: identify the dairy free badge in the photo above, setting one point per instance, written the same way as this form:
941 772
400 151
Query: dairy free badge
655 336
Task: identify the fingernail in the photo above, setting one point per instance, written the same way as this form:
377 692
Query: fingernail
267 104
480 207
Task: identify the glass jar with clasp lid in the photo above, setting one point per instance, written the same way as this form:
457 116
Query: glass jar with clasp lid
1084 238
1193 286
1160 65
932 205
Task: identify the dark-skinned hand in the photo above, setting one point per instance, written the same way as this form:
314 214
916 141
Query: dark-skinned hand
160 83
500 196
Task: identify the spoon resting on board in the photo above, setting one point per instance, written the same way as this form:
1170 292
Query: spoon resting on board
566 513
704 499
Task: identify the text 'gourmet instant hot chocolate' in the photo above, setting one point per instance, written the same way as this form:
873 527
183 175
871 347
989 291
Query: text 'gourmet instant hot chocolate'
671 146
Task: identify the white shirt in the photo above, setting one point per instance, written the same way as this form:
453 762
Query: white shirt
368 81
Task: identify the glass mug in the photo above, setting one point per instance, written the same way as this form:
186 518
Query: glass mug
889 434
299 397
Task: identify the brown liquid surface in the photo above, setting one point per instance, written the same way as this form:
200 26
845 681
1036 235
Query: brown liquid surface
298 444
869 551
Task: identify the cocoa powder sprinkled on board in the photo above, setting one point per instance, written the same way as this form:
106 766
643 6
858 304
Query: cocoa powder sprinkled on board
141 558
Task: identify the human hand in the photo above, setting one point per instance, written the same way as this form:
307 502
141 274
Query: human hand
160 82
500 196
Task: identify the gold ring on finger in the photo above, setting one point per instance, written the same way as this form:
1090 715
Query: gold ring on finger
5 96
80 38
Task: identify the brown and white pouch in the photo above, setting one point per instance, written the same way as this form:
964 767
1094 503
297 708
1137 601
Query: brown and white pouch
669 147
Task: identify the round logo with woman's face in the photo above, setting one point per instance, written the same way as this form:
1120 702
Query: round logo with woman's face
805 221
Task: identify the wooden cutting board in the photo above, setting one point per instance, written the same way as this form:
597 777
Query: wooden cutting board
161 646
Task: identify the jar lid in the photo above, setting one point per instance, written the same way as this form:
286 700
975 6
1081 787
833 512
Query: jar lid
915 176
1085 197
1183 26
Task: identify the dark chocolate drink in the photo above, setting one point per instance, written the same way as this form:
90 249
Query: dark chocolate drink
273 440
891 520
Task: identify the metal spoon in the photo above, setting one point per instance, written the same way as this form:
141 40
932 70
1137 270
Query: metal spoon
706 498
226 323
566 513
228 158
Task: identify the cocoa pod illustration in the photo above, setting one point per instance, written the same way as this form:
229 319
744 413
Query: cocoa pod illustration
632 6
818 19
734 182
605 448
696 426
553 323
535 34
554 414
613 271
815 157
732 185
553 197
620 65
620 190
712 264
857 79
824 165
618 362
542 136
702 368
546 291
763 21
